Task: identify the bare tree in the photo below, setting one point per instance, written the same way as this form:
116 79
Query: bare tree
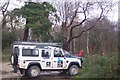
3 9
83 11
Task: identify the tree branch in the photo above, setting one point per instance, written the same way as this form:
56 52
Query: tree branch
4 13
73 18
71 29
86 30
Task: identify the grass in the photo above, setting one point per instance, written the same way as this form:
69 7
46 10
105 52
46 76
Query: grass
100 66
6 54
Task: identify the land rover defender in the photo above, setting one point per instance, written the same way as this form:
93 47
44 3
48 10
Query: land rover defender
30 58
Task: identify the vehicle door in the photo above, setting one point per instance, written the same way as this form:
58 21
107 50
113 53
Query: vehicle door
58 59
46 62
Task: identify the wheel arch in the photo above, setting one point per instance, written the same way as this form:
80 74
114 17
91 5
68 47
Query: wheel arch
74 63
34 64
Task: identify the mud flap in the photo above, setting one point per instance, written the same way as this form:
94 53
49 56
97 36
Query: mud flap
15 68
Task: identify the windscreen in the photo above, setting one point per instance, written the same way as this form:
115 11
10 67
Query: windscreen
66 53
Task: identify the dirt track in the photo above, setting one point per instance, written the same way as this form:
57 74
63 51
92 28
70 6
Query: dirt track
7 72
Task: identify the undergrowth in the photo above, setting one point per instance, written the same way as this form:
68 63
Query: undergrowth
6 53
100 66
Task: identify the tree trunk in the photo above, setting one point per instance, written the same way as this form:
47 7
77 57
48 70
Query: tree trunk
26 32
66 47
88 42
74 46
3 23
64 37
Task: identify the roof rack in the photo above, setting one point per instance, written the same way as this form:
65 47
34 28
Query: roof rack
37 43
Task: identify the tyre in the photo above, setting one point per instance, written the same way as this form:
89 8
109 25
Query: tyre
34 71
73 70
14 62
14 59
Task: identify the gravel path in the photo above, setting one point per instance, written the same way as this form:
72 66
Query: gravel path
7 71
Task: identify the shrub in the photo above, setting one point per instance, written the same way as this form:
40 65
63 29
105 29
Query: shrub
100 66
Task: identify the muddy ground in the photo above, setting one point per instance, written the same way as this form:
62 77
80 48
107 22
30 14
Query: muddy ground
7 71
8 74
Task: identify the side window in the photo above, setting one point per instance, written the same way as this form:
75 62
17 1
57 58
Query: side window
45 53
30 52
16 50
35 52
58 53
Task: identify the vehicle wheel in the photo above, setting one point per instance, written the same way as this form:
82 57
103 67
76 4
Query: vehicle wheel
14 62
34 71
14 59
73 70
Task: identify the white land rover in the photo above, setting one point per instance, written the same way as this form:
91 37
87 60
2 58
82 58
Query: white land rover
31 58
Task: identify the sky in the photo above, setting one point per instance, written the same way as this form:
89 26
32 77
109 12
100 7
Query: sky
113 15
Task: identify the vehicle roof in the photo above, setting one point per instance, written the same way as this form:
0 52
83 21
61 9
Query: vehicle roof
37 44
